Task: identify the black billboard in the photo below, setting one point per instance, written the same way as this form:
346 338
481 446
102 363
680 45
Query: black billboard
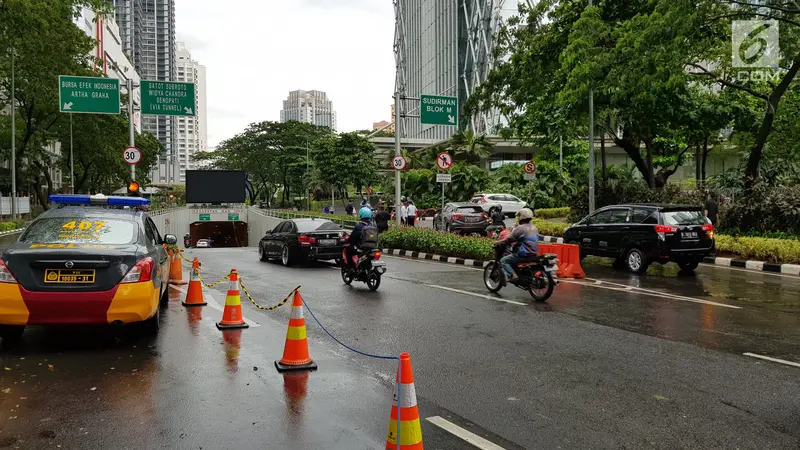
215 186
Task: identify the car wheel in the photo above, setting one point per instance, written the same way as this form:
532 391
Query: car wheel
262 255
11 333
286 255
636 261
688 265
151 326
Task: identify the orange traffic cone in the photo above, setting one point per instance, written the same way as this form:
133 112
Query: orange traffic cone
232 315
176 269
194 295
411 432
295 353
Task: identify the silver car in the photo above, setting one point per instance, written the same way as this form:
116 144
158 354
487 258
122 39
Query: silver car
511 204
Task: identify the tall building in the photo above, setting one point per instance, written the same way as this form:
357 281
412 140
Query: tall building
310 107
192 132
444 47
147 32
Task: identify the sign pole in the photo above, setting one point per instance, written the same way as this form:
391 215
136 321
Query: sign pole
442 196
397 131
132 131
13 141
71 160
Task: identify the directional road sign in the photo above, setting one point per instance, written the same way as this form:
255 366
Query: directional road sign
399 162
91 95
132 155
167 98
444 161
437 110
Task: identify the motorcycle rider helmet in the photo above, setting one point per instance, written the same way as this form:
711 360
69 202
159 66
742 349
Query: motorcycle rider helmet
525 214
498 208
365 213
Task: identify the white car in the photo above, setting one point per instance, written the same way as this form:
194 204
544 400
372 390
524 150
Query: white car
203 243
511 204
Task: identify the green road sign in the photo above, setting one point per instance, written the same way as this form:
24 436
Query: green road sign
205 217
167 98
93 95
233 216
437 110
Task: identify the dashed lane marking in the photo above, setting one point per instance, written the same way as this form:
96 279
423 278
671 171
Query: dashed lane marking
459 291
465 435
775 360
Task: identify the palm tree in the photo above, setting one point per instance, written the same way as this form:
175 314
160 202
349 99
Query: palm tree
470 147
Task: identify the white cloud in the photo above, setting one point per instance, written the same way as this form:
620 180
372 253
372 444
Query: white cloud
256 51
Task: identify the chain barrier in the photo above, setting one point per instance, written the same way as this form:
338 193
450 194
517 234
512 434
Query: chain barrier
265 308
185 258
226 277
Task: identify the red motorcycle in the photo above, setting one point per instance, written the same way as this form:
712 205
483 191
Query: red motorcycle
366 267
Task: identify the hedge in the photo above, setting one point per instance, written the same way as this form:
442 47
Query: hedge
782 251
552 213
9 226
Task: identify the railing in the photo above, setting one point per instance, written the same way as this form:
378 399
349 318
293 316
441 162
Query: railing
343 221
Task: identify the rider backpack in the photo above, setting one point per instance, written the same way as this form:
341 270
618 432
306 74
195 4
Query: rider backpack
369 237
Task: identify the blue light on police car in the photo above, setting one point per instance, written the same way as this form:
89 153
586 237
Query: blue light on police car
99 199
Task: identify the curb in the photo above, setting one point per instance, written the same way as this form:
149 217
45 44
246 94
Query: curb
759 266
18 230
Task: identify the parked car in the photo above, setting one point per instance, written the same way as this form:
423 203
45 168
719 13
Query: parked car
203 243
463 218
510 204
640 234
302 239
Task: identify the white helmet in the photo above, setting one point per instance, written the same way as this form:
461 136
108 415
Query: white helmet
525 213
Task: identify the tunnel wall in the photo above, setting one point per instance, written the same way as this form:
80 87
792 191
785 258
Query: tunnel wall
175 221
259 224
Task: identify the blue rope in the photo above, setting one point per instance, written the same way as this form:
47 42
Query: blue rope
399 375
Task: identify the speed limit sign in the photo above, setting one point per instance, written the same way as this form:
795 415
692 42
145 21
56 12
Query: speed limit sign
399 162
132 155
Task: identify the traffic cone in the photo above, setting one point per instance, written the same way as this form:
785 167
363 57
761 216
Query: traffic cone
176 269
194 295
232 315
295 353
411 432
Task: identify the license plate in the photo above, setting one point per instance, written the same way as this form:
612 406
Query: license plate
551 268
378 263
689 235
327 242
79 276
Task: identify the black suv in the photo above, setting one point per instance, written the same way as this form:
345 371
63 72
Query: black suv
640 234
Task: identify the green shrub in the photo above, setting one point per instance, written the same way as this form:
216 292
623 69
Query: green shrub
430 241
550 228
9 226
764 209
782 251
552 213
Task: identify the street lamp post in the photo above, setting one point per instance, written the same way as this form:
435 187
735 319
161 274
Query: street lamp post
591 146
13 140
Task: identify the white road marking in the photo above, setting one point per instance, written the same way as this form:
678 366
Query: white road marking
776 360
641 291
459 291
465 435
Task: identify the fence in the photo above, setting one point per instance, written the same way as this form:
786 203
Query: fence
23 205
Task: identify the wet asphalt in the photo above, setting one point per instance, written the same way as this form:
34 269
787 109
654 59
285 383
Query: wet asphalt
612 361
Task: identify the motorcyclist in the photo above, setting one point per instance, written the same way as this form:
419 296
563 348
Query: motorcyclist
187 239
498 220
526 236
365 215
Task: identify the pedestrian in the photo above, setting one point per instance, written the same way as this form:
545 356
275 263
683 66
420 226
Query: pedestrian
349 208
711 209
333 209
412 213
404 213
382 218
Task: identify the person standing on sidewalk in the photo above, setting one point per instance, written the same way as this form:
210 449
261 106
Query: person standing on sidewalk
404 213
412 213
712 209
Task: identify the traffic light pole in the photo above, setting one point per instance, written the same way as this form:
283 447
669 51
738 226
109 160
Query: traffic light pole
131 130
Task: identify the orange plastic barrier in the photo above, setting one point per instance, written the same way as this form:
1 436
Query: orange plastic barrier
569 259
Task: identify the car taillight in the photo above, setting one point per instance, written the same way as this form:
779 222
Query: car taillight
377 255
141 272
457 216
666 229
708 227
307 240
483 199
5 274
484 215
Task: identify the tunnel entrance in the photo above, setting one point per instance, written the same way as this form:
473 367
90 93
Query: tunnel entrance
222 234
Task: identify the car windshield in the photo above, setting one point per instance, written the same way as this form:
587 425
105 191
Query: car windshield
58 230
469 209
683 218
314 225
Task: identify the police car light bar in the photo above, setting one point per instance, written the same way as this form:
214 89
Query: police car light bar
99 199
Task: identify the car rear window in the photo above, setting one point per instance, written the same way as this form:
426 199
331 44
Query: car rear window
683 218
469 209
64 230
314 225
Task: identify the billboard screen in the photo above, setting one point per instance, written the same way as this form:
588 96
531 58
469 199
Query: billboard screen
215 186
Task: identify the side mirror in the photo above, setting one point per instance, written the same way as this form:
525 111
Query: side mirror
170 239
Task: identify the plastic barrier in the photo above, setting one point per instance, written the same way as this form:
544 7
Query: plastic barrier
569 259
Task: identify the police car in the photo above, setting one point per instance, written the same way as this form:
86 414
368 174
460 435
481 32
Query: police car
89 260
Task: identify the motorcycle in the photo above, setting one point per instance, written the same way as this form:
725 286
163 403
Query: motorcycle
538 277
367 269
187 242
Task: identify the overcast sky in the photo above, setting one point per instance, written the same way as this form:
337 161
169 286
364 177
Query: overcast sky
256 51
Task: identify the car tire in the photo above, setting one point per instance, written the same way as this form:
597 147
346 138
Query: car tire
262 255
164 296
636 261
688 265
11 333
151 326
286 255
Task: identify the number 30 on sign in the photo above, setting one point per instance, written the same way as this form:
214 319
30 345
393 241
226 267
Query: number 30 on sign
132 155
399 162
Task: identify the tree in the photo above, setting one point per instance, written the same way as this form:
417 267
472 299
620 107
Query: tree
469 146
345 160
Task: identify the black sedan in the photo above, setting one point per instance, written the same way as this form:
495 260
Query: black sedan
464 218
302 239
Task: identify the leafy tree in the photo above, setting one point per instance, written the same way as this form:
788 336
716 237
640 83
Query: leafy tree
469 146
345 160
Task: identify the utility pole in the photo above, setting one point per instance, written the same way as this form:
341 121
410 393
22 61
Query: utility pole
13 140
132 131
561 152
397 131
308 195
591 146
71 161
